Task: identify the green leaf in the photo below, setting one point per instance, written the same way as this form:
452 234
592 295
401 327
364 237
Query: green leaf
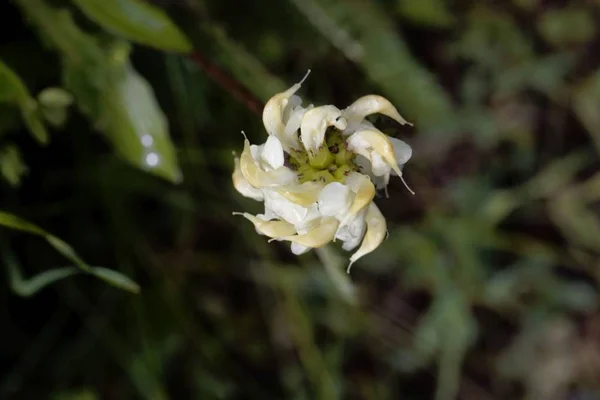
586 103
137 21
13 90
54 104
107 89
136 125
427 12
12 167
28 287
567 26
113 277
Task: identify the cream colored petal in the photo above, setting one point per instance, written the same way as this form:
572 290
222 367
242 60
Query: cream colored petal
365 192
376 231
242 185
272 229
317 237
304 194
377 141
273 112
314 124
259 178
372 104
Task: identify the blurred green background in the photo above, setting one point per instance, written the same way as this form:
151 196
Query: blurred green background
128 278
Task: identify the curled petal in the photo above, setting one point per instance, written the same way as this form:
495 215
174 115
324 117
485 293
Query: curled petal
376 231
317 237
304 194
273 112
377 141
372 104
257 176
242 185
272 229
314 124
365 192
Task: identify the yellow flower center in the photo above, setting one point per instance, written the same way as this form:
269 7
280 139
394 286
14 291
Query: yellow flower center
331 163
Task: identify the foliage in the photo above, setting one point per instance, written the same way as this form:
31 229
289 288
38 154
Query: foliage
117 123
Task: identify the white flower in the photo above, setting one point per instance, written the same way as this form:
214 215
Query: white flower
318 171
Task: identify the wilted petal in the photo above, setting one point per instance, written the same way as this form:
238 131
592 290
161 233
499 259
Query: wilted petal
317 237
257 176
335 199
304 194
273 112
314 124
272 153
371 104
376 231
242 185
272 229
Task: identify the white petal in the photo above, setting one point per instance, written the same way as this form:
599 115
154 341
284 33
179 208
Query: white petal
357 144
257 176
352 232
293 102
293 123
378 166
256 151
295 214
402 151
272 153
314 124
299 249
335 199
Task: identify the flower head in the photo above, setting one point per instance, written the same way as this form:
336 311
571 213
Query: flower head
318 171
